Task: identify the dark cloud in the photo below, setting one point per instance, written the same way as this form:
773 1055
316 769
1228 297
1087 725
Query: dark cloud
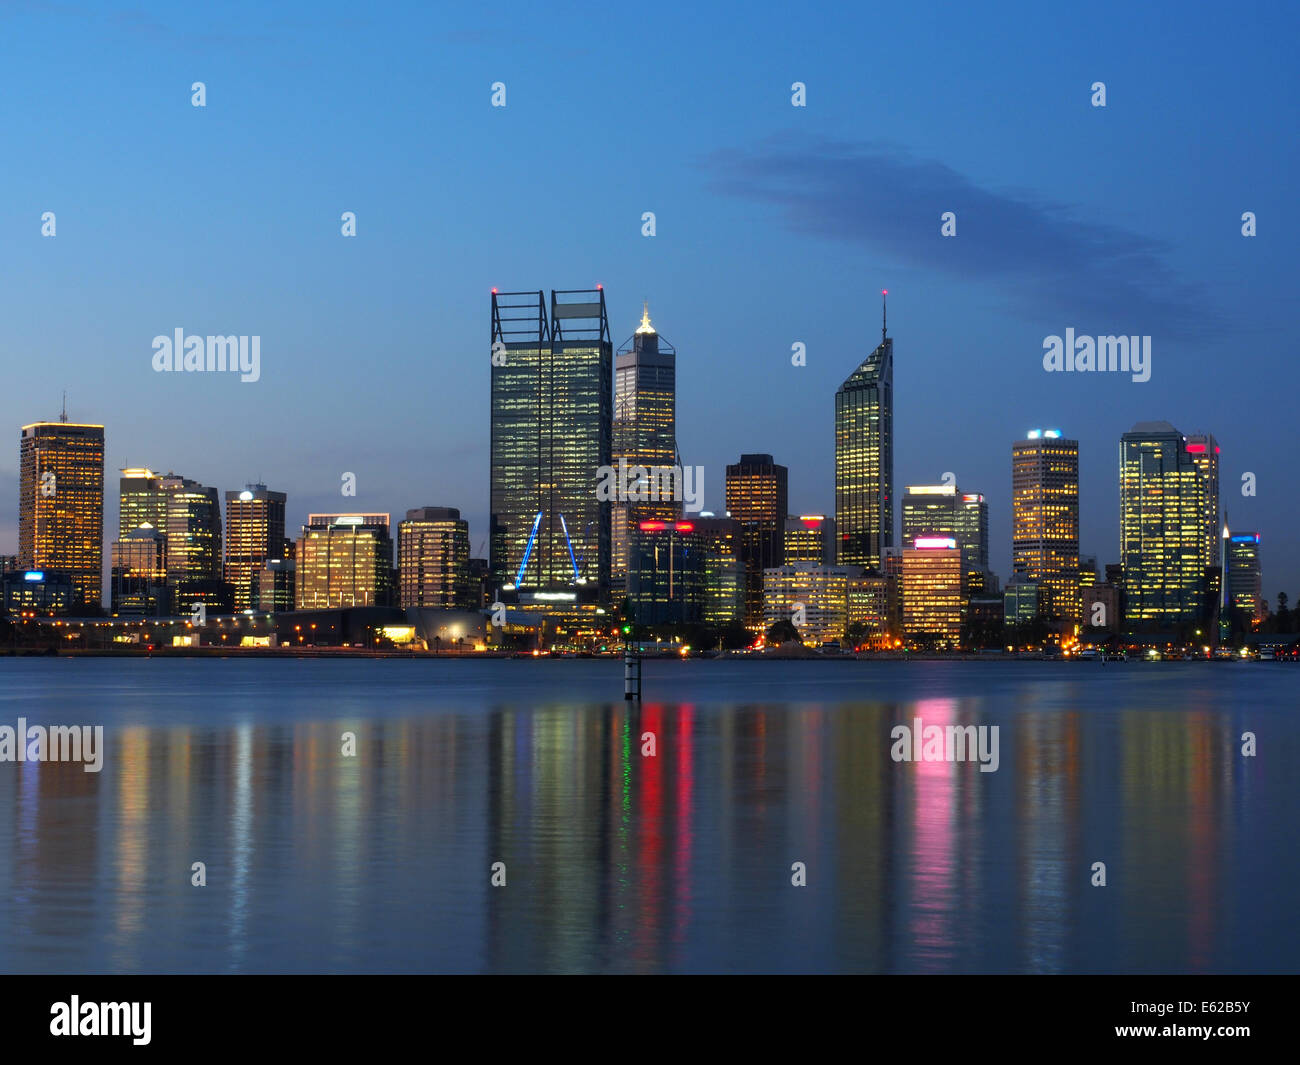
1044 256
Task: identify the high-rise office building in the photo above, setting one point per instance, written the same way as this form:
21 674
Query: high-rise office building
551 434
934 597
644 433
724 574
972 532
344 560
61 504
931 510
814 597
1162 526
1204 450
1045 519
254 534
810 538
139 573
142 500
193 531
433 559
1245 582
667 573
864 459
275 586
757 497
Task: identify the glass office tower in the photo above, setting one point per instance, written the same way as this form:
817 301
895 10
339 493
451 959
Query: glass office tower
1162 530
864 459
644 432
551 434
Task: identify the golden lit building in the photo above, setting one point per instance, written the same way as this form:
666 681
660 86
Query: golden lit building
433 559
254 535
810 538
934 599
868 605
1045 519
812 596
61 504
757 499
141 500
344 560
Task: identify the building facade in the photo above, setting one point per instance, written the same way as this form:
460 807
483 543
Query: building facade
254 534
61 505
433 559
757 499
1162 531
934 595
344 560
1204 450
864 460
815 598
1045 519
1245 579
551 433
644 434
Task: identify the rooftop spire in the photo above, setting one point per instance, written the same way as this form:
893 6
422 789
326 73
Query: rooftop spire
645 326
883 335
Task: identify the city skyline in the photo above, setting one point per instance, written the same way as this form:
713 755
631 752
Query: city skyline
175 497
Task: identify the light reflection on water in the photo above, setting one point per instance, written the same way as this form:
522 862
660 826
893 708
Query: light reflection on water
678 862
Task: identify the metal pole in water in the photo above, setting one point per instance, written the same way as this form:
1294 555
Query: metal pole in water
631 671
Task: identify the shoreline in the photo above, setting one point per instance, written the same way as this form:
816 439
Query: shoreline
267 653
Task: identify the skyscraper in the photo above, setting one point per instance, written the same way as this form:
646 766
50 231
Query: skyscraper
810 538
1245 585
644 431
344 560
139 573
142 500
1204 450
864 459
757 498
433 559
934 599
724 574
551 434
945 510
193 530
1045 519
254 534
61 504
1162 526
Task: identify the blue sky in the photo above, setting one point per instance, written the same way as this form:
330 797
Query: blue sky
775 225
